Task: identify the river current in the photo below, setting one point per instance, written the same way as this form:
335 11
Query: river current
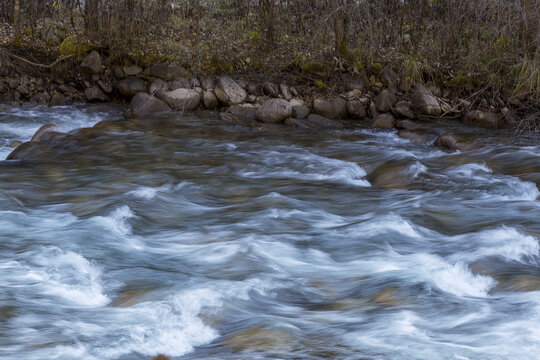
189 237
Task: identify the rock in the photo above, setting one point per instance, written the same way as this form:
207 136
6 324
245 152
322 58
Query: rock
384 101
373 111
179 83
401 109
352 82
15 144
389 297
210 100
392 175
389 78
521 284
300 111
274 111
13 83
451 142
167 71
40 98
158 85
409 125
385 121
95 94
334 109
417 136
251 99
130 86
42 130
323 122
161 357
195 83
301 123
118 72
285 92
181 99
245 112
352 95
132 70
106 86
270 89
255 89
484 119
143 104
267 128
424 103
57 99
356 109
294 92
260 339
234 119
208 83
92 63
229 92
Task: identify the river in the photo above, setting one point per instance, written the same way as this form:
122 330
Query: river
196 239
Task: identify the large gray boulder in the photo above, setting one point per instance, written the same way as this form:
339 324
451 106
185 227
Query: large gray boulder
95 94
210 100
402 110
144 104
333 109
181 99
423 102
229 92
274 111
385 100
130 86
356 109
92 63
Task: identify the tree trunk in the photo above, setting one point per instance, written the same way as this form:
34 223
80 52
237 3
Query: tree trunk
341 18
267 14
91 16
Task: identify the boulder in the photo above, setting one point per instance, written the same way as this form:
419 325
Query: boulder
323 122
255 89
333 109
106 86
285 92
417 136
390 78
179 83
270 89
451 142
243 111
208 83
274 111
352 82
132 70
181 99
424 103
229 92
484 119
130 86
356 109
402 109
92 63
210 100
301 123
15 144
158 85
166 71
95 94
300 111
385 100
409 125
144 104
385 121
43 130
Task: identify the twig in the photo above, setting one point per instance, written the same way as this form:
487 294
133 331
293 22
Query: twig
36 64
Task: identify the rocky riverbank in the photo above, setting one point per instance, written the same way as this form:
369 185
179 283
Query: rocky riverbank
381 99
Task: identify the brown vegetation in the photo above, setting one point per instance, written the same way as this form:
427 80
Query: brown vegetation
472 47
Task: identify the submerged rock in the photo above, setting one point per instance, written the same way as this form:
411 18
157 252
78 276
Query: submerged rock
274 111
324 123
385 121
417 136
260 339
451 142
43 130
484 119
392 175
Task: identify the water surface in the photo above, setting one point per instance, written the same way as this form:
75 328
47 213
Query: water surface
186 236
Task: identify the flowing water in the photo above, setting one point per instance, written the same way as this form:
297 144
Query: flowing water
189 237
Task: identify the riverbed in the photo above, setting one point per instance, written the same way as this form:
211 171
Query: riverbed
197 239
